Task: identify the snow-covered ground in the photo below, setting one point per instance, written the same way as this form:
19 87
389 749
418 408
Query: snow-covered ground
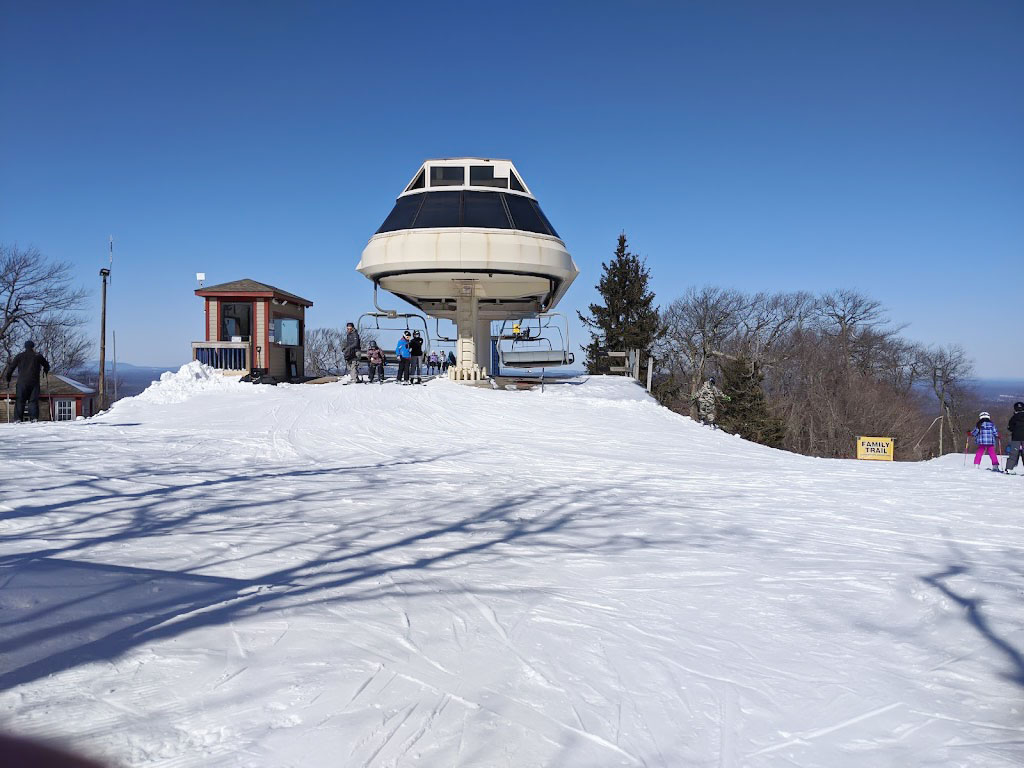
219 574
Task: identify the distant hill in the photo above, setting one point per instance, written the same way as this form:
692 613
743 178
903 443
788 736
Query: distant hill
131 379
1002 390
94 365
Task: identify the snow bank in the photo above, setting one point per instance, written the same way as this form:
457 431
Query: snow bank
187 381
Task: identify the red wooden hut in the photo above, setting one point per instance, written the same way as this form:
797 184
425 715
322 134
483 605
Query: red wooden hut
253 325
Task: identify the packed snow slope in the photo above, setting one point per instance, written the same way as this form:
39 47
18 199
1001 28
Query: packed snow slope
222 574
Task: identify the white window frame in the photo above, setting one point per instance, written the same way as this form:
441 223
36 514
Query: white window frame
59 408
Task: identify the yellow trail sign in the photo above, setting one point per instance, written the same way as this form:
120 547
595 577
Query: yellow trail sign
876 448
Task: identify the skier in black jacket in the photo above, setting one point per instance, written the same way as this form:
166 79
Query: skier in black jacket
350 350
416 348
1016 429
28 364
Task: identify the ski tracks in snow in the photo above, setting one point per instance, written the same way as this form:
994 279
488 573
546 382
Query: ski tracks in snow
449 576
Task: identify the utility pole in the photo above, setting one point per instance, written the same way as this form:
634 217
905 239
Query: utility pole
114 335
104 273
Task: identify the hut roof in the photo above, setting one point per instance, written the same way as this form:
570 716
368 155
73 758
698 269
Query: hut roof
247 285
53 384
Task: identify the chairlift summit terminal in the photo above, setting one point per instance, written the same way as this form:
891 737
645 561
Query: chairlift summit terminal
468 242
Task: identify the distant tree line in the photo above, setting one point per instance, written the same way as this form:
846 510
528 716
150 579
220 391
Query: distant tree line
827 369
808 373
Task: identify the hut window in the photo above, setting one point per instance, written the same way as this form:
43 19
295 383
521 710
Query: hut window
65 410
286 331
235 321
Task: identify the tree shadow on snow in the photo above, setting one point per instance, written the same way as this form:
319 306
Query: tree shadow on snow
975 614
57 611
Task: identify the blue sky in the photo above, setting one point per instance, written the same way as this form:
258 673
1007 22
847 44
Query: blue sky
774 146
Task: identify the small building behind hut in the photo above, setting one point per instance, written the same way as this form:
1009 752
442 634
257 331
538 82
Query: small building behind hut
61 398
251 325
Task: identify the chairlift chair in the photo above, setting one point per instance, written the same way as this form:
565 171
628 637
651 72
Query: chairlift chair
376 317
535 350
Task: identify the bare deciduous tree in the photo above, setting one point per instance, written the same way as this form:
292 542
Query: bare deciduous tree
948 370
324 356
66 348
696 328
38 301
706 326
766 321
323 352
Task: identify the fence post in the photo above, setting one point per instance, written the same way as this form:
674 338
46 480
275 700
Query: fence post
650 371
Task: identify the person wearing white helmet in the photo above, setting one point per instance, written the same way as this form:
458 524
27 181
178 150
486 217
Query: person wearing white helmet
985 437
1016 429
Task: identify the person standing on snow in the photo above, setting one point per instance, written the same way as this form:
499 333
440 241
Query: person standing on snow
985 435
416 361
350 351
28 364
404 355
1016 430
375 357
706 399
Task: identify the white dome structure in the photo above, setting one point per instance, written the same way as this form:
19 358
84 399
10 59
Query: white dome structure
467 242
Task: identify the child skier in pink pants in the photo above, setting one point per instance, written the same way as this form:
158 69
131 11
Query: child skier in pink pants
985 435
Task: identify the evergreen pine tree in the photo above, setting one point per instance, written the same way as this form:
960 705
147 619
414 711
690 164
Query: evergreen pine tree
747 414
628 318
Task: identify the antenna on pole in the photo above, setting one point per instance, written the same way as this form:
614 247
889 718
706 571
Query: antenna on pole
111 256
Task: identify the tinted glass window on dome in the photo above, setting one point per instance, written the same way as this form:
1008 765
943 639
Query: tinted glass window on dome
447 176
440 209
483 176
487 210
417 183
515 183
484 209
403 214
527 216
544 219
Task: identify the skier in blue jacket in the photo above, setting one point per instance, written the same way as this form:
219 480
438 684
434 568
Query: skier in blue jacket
404 354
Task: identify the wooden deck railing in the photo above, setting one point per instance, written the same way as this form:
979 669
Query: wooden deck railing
224 355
